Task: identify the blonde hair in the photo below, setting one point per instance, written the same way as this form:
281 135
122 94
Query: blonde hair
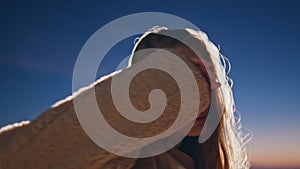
227 143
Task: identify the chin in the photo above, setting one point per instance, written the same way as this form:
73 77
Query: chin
195 131
193 134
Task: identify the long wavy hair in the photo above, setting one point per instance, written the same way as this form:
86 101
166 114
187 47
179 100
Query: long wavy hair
227 143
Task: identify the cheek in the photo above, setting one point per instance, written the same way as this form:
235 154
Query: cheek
204 87
205 95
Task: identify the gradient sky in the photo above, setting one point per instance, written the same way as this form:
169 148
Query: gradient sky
39 44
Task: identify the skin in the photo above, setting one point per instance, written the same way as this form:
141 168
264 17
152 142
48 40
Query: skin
201 118
193 146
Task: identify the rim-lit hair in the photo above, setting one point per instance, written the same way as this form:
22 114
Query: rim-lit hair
227 143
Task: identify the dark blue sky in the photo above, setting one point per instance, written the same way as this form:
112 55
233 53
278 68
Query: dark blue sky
40 41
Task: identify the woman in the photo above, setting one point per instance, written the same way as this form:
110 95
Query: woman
56 139
225 147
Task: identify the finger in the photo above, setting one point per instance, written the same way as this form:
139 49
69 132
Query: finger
213 80
214 85
211 74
